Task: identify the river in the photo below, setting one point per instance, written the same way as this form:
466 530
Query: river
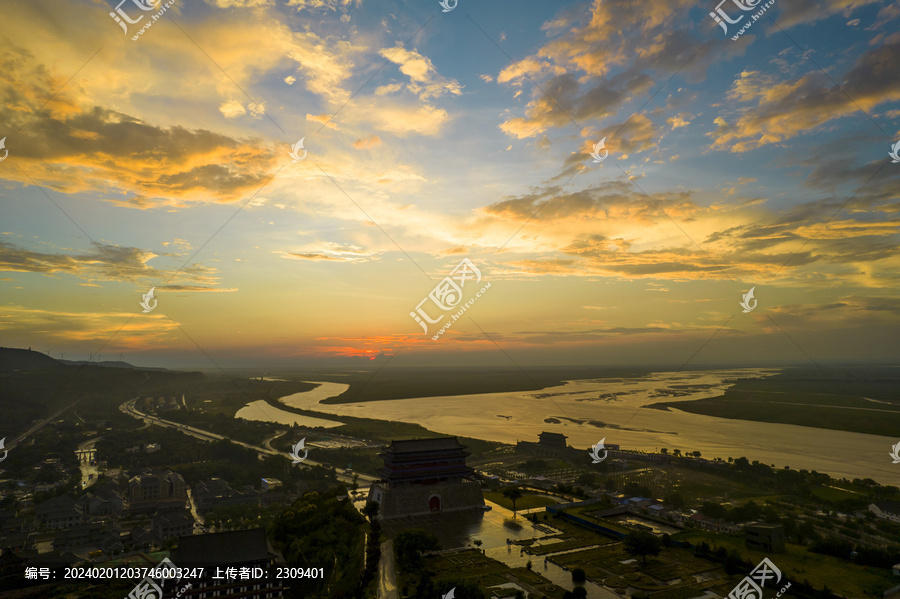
589 410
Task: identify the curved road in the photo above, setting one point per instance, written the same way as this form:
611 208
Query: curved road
128 408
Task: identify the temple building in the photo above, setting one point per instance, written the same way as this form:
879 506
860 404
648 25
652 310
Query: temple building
425 476
554 446
550 445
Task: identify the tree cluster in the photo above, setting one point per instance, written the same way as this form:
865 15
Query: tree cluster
323 530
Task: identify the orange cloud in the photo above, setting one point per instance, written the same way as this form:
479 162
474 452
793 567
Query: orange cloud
366 143
784 110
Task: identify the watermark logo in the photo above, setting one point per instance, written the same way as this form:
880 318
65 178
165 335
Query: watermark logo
6 451
751 586
745 303
895 454
295 150
148 587
296 449
450 594
120 16
894 153
448 5
721 17
447 295
147 298
595 451
600 145
4 148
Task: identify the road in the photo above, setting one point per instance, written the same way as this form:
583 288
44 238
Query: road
387 585
86 455
199 521
129 408
268 442
39 426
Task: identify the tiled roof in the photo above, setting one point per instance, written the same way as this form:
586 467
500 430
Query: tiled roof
432 444
222 548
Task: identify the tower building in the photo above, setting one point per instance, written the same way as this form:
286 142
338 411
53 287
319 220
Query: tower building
425 476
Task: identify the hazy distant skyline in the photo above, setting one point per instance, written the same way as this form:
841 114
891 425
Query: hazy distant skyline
163 162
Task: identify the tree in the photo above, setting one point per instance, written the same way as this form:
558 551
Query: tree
676 451
513 494
664 451
674 499
734 563
535 465
588 480
642 543
371 510
410 544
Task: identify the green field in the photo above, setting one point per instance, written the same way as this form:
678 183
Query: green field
838 400
474 567
832 494
849 580
690 484
672 571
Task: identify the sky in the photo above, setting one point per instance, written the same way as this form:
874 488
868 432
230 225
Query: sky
157 154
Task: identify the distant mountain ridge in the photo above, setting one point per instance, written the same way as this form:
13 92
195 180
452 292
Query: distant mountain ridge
24 359
12 359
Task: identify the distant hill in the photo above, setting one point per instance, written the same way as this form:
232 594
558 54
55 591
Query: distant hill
105 363
12 359
24 359
34 386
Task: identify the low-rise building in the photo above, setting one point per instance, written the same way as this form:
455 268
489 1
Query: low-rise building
268 484
141 538
764 537
215 492
170 525
542 482
639 501
156 490
103 501
88 534
713 524
59 513
886 510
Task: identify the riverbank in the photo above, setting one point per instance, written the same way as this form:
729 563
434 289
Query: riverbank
586 411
